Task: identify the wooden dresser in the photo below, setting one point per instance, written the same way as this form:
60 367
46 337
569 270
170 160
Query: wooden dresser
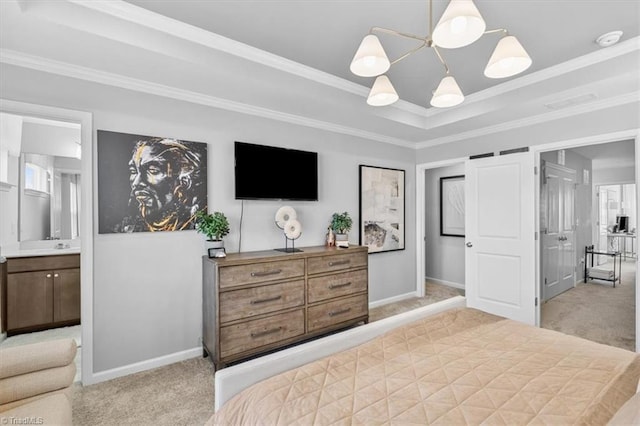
255 302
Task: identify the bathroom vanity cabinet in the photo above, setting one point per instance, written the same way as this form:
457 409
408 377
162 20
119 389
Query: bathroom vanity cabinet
42 292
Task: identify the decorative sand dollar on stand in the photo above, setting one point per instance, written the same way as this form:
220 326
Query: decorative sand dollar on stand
292 229
284 214
286 219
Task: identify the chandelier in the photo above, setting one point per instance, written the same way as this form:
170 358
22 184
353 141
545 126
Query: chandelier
460 25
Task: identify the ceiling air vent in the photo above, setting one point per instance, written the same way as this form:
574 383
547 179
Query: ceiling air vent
564 103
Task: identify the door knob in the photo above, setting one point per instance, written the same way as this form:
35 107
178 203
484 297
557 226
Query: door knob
469 245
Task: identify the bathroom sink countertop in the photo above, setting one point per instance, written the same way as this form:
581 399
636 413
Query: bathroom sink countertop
39 252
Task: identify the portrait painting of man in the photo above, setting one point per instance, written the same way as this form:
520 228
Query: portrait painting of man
148 183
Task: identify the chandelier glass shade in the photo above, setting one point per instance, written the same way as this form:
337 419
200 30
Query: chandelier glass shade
370 59
460 25
509 58
447 94
382 92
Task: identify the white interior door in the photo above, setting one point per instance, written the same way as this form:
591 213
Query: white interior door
557 229
500 226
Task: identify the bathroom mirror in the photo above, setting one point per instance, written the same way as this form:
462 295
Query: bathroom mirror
40 179
49 197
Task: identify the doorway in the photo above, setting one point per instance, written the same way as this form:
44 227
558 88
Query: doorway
441 258
602 214
81 212
444 228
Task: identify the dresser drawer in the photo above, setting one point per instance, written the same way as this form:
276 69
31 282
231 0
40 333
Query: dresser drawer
245 303
335 312
337 262
233 276
341 284
249 335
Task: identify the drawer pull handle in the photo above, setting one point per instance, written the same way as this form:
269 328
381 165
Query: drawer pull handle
332 286
339 311
48 275
56 276
265 332
270 299
266 273
339 262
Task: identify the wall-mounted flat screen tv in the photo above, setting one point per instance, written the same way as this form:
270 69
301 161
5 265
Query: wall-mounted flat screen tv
271 173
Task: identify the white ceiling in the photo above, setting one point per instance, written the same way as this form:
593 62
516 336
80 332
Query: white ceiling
288 60
609 155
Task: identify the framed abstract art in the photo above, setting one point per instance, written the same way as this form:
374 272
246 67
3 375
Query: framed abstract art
452 206
382 205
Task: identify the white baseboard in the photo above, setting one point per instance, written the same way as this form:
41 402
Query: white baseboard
145 365
2 337
392 299
447 283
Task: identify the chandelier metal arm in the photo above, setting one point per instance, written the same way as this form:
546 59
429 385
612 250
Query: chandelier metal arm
425 41
398 33
409 53
444 63
498 30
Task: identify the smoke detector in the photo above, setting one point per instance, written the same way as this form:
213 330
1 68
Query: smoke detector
608 39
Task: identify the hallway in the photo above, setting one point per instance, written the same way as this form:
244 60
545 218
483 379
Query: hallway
596 311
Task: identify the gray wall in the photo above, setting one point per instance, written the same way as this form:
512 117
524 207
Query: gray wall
444 256
147 287
614 175
583 202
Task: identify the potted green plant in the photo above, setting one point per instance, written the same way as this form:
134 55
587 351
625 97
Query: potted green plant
212 225
341 224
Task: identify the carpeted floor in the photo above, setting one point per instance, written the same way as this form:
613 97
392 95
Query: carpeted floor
182 393
178 394
433 293
596 311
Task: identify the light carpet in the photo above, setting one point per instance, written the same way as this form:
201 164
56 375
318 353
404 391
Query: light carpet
433 293
597 311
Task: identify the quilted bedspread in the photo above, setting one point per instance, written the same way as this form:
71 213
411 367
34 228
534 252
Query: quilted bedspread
459 367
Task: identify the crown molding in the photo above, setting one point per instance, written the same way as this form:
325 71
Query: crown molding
157 22
615 101
38 63
566 67
132 13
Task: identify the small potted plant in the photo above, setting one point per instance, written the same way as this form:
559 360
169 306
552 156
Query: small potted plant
214 226
341 223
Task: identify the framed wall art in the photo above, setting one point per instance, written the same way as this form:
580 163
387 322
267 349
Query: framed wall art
148 183
382 205
452 206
